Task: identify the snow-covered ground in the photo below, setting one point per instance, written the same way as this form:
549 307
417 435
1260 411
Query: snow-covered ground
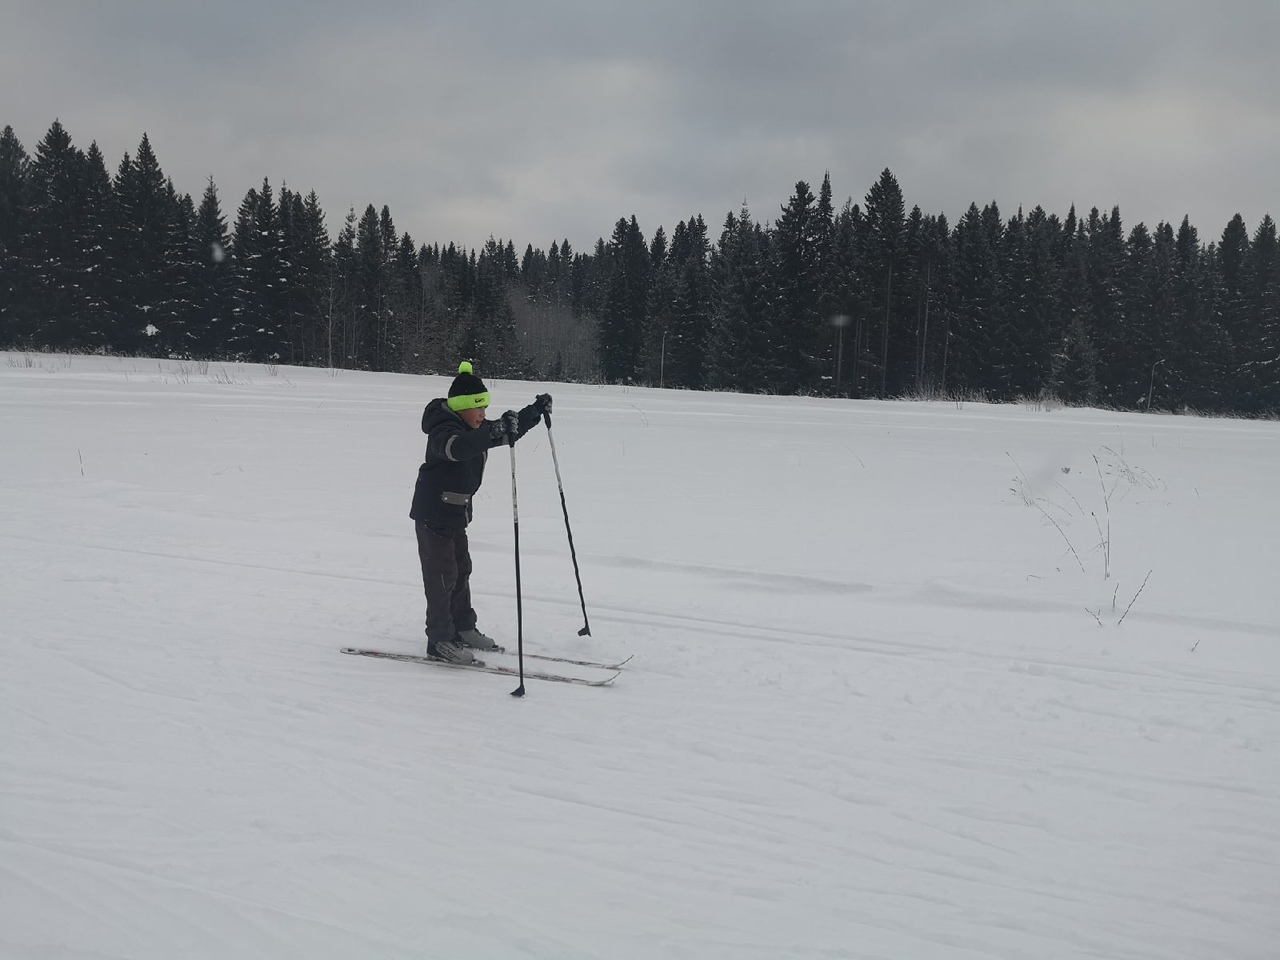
881 704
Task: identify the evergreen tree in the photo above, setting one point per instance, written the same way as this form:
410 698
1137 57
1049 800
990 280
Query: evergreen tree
143 233
1109 326
340 317
55 258
691 309
142 224
798 280
884 257
565 276
407 299
1075 373
15 188
309 290
659 315
100 276
658 249
974 326
491 331
1162 390
1233 314
259 326
246 303
177 312
212 281
1198 362
851 299
1138 297
377 342
1263 366
742 349
533 270
622 320
830 287
1026 270
927 244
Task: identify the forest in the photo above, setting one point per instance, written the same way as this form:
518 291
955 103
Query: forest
862 299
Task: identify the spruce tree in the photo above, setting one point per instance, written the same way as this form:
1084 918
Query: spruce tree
492 341
15 186
1075 373
340 317
1198 360
622 319
246 304
830 288
884 258
691 309
377 340
1263 366
1232 312
142 227
851 298
407 301
797 279
54 253
308 294
1109 326
212 281
177 309
1163 320
258 328
659 325
974 322
100 270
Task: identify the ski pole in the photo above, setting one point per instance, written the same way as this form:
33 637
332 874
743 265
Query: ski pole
586 626
515 520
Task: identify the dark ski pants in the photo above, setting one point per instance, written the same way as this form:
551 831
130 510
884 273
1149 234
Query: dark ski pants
446 580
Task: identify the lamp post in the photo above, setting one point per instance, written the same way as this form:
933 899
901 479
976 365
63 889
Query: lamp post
662 362
1151 387
840 321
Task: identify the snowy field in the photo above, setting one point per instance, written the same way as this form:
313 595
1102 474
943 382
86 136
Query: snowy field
882 704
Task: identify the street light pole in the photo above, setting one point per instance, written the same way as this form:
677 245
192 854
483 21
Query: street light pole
1151 387
839 322
662 362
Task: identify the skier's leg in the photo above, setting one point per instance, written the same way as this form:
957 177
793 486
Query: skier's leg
464 617
436 552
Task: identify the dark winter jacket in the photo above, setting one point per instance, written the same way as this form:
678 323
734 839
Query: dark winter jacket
454 463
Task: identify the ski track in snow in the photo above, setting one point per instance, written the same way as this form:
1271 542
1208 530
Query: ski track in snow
876 708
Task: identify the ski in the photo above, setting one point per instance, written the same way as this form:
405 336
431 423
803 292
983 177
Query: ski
598 664
479 667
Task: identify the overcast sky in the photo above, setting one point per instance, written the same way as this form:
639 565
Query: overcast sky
535 121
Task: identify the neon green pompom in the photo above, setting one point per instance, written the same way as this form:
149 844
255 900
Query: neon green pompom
465 367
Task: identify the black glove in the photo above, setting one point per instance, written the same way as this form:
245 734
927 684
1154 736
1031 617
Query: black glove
505 429
543 403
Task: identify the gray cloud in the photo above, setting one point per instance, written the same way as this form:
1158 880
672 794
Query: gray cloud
541 121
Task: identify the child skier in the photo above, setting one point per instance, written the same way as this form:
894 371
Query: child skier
458 442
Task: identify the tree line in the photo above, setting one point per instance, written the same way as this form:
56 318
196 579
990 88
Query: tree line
868 300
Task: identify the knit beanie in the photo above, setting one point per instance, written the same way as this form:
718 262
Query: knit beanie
467 390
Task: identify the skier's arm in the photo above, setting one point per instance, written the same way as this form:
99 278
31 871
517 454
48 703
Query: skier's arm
529 418
455 443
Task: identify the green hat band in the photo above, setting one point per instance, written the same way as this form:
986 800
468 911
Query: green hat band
469 401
